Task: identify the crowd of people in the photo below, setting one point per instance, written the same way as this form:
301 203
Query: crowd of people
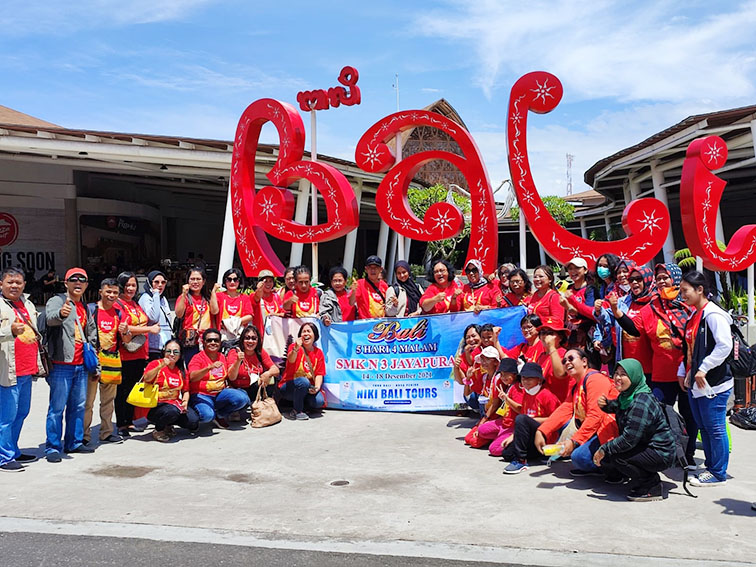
597 359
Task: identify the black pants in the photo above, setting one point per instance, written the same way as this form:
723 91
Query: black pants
641 465
131 373
522 446
167 414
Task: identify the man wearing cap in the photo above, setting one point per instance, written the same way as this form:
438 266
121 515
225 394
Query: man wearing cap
369 294
266 301
538 403
68 327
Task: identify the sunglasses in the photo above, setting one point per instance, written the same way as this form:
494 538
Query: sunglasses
173 351
570 358
471 270
212 340
232 279
158 282
636 279
77 279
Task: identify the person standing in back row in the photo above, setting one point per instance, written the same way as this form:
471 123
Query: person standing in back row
369 294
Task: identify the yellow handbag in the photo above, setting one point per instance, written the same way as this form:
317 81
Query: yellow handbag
143 395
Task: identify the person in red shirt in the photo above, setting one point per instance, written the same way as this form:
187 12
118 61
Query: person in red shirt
19 361
532 349
134 350
167 373
302 381
520 289
266 301
108 318
289 284
478 293
369 294
468 350
441 295
196 309
538 403
578 299
209 393
480 380
507 395
303 300
546 299
336 302
249 366
553 337
234 307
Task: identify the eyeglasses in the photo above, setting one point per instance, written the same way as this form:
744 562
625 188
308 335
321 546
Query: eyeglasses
212 340
77 279
158 282
252 338
232 279
173 351
570 358
636 279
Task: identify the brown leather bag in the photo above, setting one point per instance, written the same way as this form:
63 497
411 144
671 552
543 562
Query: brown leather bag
264 409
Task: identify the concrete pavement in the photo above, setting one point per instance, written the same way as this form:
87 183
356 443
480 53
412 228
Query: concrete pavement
414 489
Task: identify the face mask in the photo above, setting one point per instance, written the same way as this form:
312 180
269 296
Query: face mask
625 287
669 293
603 272
534 390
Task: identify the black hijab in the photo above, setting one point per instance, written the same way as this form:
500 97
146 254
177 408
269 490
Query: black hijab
410 287
151 276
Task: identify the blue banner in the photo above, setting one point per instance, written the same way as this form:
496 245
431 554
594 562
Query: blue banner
404 364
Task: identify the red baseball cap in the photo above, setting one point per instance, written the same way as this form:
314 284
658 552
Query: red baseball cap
553 324
76 272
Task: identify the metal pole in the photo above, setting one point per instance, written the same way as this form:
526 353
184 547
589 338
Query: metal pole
523 243
314 157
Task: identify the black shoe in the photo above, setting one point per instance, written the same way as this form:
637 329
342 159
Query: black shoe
578 473
124 433
83 449
655 493
112 438
24 458
12 466
54 457
619 479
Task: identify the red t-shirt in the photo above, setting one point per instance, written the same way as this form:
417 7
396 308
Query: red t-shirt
542 404
252 364
666 347
306 304
464 366
638 348
81 314
560 387
370 303
239 306
516 393
512 300
348 311
691 330
266 306
214 380
299 369
197 313
485 296
547 306
171 383
25 344
134 316
448 304
531 353
107 328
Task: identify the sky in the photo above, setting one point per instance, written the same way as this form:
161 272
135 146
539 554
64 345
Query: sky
190 67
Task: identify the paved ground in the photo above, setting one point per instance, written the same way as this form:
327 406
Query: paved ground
414 489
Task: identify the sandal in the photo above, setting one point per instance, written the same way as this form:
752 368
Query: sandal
161 436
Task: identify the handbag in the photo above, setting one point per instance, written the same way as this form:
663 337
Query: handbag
91 361
136 343
110 367
264 409
44 354
143 395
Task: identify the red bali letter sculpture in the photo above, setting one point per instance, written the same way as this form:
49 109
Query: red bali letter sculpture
271 209
700 194
442 220
646 221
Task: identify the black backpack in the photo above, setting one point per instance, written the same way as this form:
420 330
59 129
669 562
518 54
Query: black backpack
742 358
745 418
680 433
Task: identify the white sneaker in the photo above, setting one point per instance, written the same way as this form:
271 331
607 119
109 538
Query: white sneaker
705 479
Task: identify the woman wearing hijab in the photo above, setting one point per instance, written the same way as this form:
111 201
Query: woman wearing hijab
641 282
406 292
645 445
478 293
662 321
156 307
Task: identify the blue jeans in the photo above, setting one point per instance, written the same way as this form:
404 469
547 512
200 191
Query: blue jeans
582 457
473 400
297 392
710 415
15 402
225 402
68 391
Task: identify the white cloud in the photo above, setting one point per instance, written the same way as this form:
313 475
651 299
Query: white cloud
648 51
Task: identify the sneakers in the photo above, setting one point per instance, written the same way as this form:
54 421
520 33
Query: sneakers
54 457
12 466
705 479
234 416
23 458
220 423
579 473
299 415
161 436
618 479
112 438
516 467
170 431
655 493
81 449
